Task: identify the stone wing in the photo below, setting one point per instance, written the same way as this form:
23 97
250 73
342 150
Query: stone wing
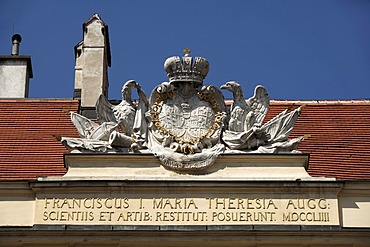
104 110
259 104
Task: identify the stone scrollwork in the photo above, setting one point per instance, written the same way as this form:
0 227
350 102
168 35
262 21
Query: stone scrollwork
184 123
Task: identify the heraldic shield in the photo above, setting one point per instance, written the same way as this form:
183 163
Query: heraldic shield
186 124
187 120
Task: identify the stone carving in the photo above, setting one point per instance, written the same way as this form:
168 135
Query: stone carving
118 126
186 118
184 123
245 130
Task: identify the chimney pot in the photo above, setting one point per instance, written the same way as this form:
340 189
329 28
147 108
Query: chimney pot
16 40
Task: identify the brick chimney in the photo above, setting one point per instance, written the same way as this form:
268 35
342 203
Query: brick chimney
15 72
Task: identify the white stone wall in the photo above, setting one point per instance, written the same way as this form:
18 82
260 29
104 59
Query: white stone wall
13 79
91 65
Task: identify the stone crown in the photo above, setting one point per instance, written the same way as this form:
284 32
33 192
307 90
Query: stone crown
186 70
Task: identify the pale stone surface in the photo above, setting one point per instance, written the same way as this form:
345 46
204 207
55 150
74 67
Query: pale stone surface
287 202
92 76
91 66
352 210
17 211
195 208
354 201
219 202
17 204
93 33
228 167
79 62
14 78
189 203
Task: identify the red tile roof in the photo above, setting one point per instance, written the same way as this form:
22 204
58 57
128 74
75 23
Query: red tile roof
339 141
27 146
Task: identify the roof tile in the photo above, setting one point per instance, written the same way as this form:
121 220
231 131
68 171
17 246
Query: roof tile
339 142
27 146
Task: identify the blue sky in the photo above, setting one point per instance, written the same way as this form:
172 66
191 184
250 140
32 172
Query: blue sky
297 49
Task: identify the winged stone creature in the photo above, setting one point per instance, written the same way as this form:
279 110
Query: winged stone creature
245 130
93 137
123 114
130 118
244 114
119 125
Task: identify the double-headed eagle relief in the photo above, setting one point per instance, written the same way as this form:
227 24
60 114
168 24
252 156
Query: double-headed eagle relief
184 123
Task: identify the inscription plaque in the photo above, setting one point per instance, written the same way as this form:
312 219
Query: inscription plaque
212 209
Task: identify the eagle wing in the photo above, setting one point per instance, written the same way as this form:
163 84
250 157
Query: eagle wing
140 124
259 104
105 110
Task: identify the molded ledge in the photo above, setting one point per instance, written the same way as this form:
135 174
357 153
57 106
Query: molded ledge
230 167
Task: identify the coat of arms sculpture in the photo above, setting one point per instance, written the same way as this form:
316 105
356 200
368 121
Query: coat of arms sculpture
184 123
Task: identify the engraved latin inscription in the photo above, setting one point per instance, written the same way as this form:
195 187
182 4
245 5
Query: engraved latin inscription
186 210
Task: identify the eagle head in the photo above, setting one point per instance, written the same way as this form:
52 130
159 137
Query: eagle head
127 90
129 85
232 86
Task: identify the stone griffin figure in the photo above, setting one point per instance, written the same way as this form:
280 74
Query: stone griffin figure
184 123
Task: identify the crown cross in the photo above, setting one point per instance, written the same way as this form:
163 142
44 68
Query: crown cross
187 51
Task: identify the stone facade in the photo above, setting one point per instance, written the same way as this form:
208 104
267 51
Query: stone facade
92 56
15 72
